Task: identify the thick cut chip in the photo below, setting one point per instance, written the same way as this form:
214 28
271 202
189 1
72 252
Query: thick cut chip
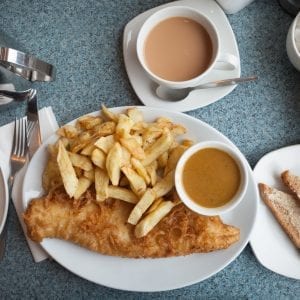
126 156
108 114
68 131
101 184
178 129
133 147
139 209
162 160
114 162
155 205
88 122
122 194
174 156
80 161
150 220
83 184
81 141
139 127
105 143
138 138
165 185
124 126
66 170
151 170
104 129
88 149
137 183
158 147
135 115
150 134
89 175
140 169
98 158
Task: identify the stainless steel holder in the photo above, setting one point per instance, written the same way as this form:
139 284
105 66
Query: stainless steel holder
27 68
26 65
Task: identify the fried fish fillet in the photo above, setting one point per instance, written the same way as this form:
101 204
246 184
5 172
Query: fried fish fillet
103 227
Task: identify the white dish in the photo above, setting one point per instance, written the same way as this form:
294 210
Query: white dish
4 201
148 274
269 242
291 45
240 193
145 88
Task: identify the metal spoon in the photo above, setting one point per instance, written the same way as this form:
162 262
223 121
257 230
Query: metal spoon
179 94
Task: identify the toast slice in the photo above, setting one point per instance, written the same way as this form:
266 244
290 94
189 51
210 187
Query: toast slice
292 182
285 208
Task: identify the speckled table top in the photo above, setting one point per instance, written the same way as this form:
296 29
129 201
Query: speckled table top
83 39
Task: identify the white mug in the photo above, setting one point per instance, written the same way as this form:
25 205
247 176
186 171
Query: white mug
219 60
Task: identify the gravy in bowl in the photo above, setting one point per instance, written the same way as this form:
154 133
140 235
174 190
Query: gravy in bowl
211 177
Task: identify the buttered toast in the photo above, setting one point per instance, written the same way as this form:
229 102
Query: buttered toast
292 182
285 208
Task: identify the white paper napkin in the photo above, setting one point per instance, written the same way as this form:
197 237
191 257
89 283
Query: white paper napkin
48 126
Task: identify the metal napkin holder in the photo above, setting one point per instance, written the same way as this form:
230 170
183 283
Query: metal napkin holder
19 70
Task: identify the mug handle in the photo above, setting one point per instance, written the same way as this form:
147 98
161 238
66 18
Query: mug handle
226 62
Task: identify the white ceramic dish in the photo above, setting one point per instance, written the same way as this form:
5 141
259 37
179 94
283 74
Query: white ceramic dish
242 165
292 51
148 274
145 88
4 201
270 244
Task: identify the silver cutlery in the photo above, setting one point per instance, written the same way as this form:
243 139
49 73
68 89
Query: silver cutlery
16 95
179 94
18 159
34 133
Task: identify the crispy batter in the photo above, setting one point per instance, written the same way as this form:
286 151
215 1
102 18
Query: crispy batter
103 227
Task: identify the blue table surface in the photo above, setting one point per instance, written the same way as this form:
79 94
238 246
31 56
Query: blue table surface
83 39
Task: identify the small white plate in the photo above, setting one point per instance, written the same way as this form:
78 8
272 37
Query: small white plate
145 88
4 201
148 275
270 244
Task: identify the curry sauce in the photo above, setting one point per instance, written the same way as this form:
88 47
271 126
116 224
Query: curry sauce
211 177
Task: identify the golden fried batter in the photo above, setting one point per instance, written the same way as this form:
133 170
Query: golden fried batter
103 227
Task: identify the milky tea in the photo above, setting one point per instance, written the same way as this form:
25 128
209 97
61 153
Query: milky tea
178 49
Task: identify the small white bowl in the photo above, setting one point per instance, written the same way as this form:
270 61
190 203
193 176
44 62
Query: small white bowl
239 159
292 51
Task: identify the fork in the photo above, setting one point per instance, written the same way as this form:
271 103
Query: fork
17 161
19 150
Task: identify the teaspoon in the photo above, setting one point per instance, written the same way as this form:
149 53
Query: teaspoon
179 94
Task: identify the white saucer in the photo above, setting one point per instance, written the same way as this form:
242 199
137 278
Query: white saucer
270 244
145 88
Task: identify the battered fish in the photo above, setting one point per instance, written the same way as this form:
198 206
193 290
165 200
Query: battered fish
103 227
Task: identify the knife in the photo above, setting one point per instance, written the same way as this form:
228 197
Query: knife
34 132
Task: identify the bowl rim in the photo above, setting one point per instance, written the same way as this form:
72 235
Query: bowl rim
238 158
293 29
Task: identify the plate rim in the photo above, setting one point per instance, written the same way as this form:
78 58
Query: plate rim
260 203
6 200
173 286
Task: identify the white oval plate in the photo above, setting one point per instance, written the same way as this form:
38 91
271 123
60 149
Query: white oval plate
270 244
4 201
147 274
145 88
